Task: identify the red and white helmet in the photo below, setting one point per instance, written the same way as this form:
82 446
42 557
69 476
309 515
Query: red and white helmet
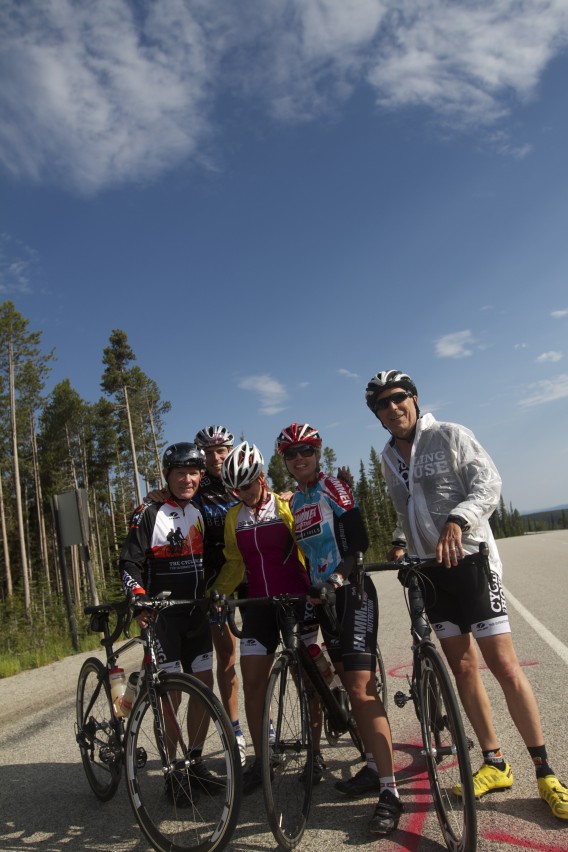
214 436
297 433
243 465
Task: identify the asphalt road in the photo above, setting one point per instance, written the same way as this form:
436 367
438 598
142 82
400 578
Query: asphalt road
47 806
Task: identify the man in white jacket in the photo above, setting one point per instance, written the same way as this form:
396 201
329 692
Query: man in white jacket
445 487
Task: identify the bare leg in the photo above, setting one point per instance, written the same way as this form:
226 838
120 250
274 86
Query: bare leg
226 651
255 671
370 716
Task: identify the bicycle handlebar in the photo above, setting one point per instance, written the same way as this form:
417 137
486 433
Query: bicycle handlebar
408 562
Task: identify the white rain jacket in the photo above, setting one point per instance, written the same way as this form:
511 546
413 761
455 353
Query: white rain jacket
450 474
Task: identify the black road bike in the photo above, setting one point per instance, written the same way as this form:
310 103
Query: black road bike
178 746
287 752
444 744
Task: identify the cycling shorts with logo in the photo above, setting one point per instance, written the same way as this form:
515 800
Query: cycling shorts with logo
459 600
356 645
175 647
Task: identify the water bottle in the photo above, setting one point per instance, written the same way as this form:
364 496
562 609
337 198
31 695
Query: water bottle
117 680
324 665
129 693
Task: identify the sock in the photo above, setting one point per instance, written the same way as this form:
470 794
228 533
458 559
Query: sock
493 757
237 728
371 761
389 783
540 760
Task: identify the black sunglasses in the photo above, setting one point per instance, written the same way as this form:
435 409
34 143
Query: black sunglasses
397 398
305 452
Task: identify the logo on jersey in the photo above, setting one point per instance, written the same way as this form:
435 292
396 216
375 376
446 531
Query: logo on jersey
307 521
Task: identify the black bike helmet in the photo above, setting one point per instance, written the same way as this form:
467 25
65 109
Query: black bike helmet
183 455
384 380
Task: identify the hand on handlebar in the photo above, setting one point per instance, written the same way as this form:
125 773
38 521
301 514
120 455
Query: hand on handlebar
318 595
142 616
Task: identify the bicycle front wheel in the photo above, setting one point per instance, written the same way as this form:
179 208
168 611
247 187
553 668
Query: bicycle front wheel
447 754
99 732
287 754
381 678
183 767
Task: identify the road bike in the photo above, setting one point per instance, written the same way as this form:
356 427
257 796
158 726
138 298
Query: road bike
177 746
444 744
287 749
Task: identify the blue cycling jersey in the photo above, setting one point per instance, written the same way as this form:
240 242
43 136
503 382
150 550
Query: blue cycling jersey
317 515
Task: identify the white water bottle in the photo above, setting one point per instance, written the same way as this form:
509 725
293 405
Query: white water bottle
322 662
129 694
117 680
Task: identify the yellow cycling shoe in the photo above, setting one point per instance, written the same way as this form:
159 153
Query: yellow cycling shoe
489 779
554 794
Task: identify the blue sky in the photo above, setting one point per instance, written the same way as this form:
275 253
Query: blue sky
275 200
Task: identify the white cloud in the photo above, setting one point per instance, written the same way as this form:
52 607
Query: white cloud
272 394
559 314
549 390
549 357
456 345
347 374
104 93
520 346
18 264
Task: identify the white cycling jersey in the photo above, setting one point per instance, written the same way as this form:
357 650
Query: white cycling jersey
449 474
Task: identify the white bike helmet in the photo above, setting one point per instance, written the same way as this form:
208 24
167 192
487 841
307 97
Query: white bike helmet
384 380
243 465
214 436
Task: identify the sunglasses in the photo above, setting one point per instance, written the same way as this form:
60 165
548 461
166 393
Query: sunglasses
304 452
396 398
247 487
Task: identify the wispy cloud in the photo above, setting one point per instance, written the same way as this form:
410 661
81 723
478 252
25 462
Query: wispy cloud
559 314
520 346
551 357
548 390
457 345
272 394
347 374
18 265
105 93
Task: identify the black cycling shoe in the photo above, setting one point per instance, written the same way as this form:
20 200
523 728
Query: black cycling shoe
201 779
252 777
387 813
365 782
178 789
318 769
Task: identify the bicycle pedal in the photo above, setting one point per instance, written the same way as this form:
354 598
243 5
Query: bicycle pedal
401 699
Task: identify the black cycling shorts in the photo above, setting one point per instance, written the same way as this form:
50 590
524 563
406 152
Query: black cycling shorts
460 600
261 628
176 650
356 645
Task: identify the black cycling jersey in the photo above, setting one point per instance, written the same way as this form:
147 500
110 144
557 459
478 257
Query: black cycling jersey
213 501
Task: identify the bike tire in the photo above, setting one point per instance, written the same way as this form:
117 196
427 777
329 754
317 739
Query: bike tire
447 753
176 807
287 755
381 678
99 733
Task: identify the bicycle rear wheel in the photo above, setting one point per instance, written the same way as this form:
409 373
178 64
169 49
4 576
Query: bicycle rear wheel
447 754
188 798
98 732
287 755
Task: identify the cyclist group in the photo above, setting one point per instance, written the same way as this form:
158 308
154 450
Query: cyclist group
444 488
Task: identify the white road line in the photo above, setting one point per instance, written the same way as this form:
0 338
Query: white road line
542 631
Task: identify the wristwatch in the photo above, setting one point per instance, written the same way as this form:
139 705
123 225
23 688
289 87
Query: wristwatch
336 579
461 522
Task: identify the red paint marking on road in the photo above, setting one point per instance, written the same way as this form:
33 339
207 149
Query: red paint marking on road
511 840
409 834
